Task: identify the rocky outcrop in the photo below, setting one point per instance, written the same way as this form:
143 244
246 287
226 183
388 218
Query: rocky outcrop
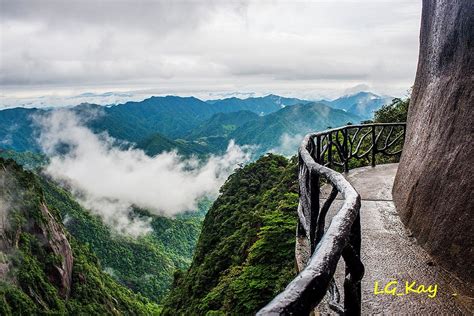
29 230
54 239
434 184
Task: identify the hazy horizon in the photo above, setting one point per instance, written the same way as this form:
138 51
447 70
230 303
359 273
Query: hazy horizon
110 98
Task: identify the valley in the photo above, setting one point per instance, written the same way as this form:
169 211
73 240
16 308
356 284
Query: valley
153 263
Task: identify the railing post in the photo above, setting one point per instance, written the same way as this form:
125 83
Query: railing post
404 134
314 209
313 197
374 146
318 149
329 149
354 271
346 150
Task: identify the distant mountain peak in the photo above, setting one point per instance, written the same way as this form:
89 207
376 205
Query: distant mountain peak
360 94
362 103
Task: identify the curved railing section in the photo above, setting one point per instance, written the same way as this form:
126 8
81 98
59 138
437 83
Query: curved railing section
319 250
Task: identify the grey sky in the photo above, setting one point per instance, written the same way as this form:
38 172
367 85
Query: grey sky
309 49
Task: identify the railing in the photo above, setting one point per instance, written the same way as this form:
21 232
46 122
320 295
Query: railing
318 250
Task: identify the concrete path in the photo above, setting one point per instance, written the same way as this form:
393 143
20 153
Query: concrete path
391 254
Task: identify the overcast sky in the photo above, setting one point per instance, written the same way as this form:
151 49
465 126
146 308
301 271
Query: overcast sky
310 49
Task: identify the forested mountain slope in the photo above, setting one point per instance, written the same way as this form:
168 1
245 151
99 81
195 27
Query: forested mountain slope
173 117
17 129
157 143
45 270
259 105
187 125
299 119
245 253
222 124
144 264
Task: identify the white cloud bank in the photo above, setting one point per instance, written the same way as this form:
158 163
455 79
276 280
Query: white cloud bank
288 145
109 180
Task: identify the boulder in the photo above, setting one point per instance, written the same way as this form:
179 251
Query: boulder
433 189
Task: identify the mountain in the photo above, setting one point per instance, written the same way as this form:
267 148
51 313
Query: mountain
261 105
157 255
172 117
157 143
297 120
43 268
210 136
222 124
127 259
280 131
188 125
17 129
245 253
175 117
27 159
132 122
362 104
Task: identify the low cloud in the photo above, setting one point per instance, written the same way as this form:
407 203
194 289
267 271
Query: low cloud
110 180
288 145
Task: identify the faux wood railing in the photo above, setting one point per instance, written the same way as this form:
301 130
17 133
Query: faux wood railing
340 149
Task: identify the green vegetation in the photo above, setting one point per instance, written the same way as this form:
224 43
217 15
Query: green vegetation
144 264
259 105
29 160
222 124
30 283
188 125
157 144
300 119
397 111
245 253
392 113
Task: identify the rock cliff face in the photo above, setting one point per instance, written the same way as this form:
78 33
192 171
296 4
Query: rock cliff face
55 241
24 216
433 190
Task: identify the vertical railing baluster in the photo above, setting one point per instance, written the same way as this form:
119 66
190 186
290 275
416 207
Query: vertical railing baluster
346 151
300 231
313 198
329 150
354 271
374 146
315 190
318 149
404 134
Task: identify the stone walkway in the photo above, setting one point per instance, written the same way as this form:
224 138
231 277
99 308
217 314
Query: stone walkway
390 253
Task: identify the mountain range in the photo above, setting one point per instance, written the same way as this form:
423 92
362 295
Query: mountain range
192 126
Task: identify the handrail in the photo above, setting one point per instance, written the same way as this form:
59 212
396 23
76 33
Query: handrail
317 154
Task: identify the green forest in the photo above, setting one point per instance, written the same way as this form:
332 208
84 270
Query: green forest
245 254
